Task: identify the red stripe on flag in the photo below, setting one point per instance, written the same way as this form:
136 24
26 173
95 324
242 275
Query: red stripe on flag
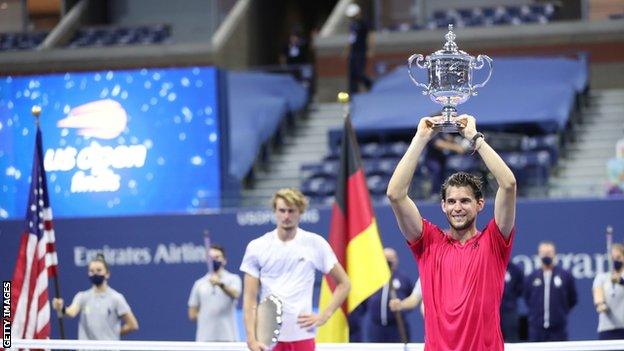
359 211
19 275
47 225
337 238
34 273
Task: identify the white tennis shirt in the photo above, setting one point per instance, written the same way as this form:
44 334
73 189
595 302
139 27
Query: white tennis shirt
286 269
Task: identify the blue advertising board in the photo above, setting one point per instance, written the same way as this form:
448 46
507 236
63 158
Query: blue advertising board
128 142
155 259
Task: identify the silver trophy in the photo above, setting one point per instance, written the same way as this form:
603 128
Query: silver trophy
450 79
269 320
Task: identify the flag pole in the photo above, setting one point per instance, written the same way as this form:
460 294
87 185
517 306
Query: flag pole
397 314
36 112
207 245
344 99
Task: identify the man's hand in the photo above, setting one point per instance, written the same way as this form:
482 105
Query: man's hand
602 307
256 345
468 127
395 305
616 277
310 321
215 279
58 304
425 127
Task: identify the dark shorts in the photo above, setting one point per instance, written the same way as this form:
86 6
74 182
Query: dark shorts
299 345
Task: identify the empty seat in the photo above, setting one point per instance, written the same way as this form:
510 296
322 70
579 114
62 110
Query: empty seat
371 150
107 36
396 149
460 163
377 184
325 169
318 187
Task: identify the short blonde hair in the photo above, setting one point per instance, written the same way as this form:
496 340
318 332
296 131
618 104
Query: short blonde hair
618 247
292 197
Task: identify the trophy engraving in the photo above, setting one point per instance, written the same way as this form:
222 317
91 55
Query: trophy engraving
450 78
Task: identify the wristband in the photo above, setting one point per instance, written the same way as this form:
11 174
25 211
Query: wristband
63 310
473 141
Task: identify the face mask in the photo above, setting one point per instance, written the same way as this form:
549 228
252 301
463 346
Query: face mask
617 265
96 279
216 265
547 260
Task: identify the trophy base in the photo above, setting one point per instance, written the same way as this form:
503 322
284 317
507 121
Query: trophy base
447 127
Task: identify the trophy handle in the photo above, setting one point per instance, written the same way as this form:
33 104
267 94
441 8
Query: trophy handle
480 60
419 58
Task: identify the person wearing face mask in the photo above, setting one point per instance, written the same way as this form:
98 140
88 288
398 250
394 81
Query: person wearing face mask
550 294
608 290
104 312
381 323
213 299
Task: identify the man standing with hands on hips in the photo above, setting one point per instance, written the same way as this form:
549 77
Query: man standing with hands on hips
283 262
462 271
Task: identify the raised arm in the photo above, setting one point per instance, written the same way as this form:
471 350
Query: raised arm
599 299
405 210
505 201
71 311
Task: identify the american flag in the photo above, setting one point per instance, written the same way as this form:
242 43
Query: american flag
36 260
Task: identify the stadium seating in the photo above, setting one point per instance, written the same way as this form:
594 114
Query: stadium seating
21 41
259 104
112 35
484 16
524 110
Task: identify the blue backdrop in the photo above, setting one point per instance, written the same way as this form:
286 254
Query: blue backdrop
115 142
155 260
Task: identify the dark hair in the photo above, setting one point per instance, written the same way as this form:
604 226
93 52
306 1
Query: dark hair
463 179
100 258
218 247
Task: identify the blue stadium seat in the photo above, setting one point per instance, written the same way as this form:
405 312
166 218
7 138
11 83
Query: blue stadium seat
319 186
383 167
21 41
396 149
377 184
325 169
107 36
548 143
371 150
461 163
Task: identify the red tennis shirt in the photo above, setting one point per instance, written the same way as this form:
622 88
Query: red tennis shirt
462 287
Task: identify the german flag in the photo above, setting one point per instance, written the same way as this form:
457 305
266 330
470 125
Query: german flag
354 237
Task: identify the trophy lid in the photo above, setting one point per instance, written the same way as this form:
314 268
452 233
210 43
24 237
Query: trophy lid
450 47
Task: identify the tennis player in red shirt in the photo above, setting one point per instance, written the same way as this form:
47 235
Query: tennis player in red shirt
462 271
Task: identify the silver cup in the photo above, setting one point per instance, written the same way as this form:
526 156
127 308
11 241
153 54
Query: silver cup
269 320
450 79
